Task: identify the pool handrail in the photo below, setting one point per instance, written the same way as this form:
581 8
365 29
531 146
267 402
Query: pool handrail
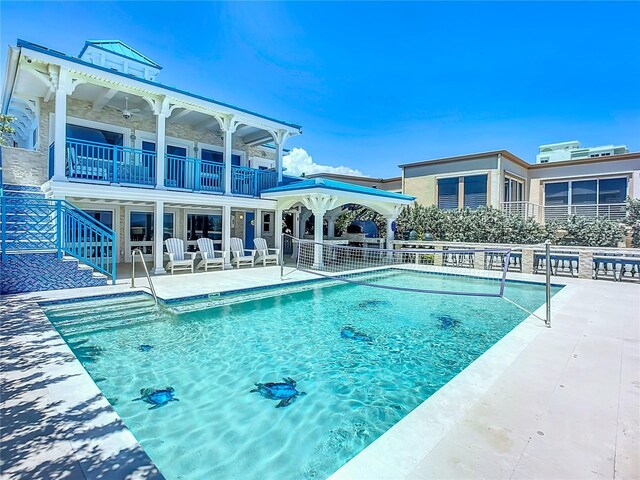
146 272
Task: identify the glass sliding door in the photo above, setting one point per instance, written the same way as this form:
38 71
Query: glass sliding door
203 226
594 197
141 231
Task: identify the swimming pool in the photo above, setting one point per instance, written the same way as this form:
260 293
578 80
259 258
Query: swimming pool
214 351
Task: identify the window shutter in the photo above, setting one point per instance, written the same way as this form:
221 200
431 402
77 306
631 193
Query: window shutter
475 191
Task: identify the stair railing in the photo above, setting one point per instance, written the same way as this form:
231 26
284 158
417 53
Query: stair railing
138 252
36 224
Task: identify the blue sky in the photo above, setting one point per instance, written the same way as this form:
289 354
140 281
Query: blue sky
379 84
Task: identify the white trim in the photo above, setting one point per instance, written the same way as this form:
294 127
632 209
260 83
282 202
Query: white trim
142 135
185 231
257 162
127 227
83 122
468 173
219 148
515 176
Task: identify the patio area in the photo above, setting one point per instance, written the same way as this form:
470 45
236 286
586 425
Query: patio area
542 403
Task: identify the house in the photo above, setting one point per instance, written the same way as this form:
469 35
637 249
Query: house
590 186
556 152
116 157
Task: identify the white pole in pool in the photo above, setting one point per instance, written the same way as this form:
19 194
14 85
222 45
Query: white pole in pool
281 259
547 248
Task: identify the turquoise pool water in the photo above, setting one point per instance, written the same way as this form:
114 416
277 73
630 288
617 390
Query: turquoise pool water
214 352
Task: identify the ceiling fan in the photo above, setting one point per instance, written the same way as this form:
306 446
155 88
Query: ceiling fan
126 113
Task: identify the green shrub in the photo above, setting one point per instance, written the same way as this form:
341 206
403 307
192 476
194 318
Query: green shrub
592 232
633 220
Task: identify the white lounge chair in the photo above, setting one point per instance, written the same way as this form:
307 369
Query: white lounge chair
178 258
263 252
238 252
210 256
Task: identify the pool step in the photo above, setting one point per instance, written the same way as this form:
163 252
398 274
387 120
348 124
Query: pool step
110 304
88 318
75 330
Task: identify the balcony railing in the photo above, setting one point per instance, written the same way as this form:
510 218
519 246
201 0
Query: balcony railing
612 211
251 181
522 209
188 173
100 162
96 162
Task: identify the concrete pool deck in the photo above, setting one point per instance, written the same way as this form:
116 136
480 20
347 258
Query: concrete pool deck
542 403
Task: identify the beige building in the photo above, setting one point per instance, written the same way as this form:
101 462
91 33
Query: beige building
588 186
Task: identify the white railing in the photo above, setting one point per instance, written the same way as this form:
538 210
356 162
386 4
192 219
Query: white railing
522 209
612 211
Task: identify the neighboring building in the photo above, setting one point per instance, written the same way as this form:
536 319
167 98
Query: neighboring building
116 151
556 152
393 184
592 186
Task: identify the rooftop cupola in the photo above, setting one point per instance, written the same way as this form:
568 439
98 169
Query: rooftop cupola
119 56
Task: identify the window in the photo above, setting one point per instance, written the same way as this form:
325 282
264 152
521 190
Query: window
448 193
215 156
76 132
513 190
612 190
266 223
141 230
105 217
584 192
556 194
203 226
475 191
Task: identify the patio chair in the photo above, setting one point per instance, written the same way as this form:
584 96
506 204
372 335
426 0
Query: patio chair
238 251
263 252
87 167
178 256
210 256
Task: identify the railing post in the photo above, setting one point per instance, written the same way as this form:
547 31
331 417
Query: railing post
255 183
59 229
198 174
114 172
547 254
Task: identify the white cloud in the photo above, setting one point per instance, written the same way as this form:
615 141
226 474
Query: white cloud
298 161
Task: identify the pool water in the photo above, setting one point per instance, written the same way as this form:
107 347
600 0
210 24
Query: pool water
213 355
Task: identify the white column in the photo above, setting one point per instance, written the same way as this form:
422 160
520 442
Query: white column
390 233
226 232
279 150
277 229
331 227
228 147
296 225
257 228
317 237
158 243
60 128
161 147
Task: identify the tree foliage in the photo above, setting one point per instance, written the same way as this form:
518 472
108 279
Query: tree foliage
5 128
633 220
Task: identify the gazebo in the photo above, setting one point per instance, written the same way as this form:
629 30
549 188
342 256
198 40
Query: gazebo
323 197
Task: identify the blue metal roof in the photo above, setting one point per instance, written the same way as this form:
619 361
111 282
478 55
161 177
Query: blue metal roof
119 48
335 185
54 53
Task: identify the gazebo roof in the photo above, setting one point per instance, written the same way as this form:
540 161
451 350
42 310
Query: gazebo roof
324 194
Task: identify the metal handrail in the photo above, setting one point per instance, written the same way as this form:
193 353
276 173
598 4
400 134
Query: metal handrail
146 271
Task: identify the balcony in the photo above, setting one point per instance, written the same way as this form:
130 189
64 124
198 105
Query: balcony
612 211
94 162
103 163
522 209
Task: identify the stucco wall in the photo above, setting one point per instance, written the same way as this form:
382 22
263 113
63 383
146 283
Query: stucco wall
423 188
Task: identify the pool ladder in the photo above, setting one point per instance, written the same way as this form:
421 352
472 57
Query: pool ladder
138 252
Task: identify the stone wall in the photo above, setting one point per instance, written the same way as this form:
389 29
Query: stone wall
423 188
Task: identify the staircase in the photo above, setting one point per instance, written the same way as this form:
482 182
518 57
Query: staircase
50 244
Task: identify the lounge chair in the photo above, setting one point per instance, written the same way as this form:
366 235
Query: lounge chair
263 252
210 256
238 251
178 258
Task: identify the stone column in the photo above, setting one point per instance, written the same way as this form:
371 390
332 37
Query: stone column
60 128
158 241
437 257
528 259
226 233
478 260
585 264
